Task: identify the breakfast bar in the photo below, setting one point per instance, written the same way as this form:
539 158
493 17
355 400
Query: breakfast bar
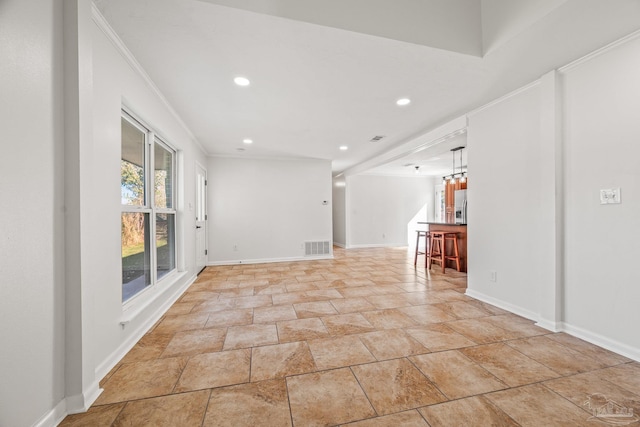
461 232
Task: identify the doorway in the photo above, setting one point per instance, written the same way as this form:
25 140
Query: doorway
201 218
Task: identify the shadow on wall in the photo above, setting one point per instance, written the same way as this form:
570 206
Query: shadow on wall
413 225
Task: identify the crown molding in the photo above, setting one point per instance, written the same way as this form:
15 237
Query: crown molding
588 57
504 98
117 42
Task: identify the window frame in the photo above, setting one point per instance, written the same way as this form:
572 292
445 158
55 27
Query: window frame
149 205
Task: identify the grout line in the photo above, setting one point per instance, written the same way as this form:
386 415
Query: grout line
365 393
206 407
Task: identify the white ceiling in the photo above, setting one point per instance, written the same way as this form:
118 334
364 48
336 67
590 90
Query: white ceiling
326 73
433 161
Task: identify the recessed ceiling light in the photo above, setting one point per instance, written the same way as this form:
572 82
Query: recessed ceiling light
344 147
247 141
242 81
403 101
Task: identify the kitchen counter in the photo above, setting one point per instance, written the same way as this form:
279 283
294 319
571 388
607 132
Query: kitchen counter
461 230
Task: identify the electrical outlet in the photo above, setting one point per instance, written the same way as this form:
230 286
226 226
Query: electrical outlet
610 196
235 248
493 276
384 236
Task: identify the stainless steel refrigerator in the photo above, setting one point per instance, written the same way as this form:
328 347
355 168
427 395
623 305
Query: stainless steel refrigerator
460 206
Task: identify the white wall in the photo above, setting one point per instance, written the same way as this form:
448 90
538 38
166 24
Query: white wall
561 257
339 212
265 209
117 83
381 210
31 200
60 304
503 225
602 143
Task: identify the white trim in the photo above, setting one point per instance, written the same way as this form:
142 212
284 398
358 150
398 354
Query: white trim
591 337
268 260
103 368
375 245
588 57
258 157
117 42
131 310
340 245
604 342
70 405
82 402
550 325
503 305
54 416
504 98
562 69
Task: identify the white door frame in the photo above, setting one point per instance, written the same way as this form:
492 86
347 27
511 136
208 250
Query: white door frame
201 218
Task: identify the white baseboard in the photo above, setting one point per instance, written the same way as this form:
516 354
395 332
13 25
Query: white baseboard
103 368
54 416
70 405
550 325
82 402
381 245
503 305
269 260
592 337
340 245
604 342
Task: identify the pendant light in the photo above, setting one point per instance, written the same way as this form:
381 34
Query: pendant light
463 178
452 178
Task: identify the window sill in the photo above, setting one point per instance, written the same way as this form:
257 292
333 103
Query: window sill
135 307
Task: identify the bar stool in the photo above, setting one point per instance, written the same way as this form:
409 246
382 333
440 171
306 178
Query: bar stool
438 249
427 255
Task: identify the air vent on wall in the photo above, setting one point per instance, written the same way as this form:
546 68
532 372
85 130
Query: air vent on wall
317 248
376 138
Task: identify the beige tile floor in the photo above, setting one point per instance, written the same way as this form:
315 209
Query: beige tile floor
362 340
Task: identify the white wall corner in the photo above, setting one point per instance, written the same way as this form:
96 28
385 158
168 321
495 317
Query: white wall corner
70 405
82 402
552 220
550 325
54 416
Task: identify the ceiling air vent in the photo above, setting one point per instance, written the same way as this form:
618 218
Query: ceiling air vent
376 138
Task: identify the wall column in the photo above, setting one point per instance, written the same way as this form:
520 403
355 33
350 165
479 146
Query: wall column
81 386
552 222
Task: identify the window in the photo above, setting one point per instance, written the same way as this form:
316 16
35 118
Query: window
148 217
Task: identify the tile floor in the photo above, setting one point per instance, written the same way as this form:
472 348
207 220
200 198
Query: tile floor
361 340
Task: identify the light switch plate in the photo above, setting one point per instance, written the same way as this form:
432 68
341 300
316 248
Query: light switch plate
610 196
